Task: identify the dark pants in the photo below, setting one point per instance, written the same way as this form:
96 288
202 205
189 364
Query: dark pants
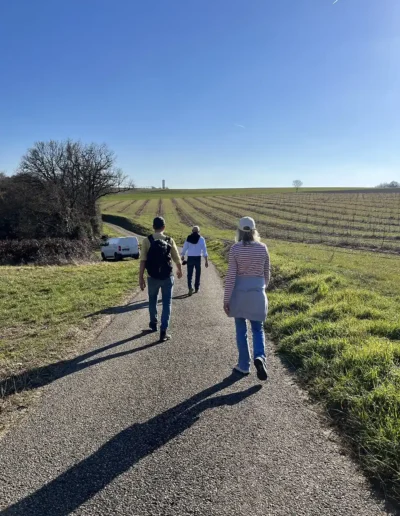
194 262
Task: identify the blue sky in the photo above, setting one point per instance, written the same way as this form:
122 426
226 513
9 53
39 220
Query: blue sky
208 93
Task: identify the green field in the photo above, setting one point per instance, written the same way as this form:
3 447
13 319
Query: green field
368 219
206 192
334 305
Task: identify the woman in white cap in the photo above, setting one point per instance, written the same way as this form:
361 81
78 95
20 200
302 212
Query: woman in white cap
245 298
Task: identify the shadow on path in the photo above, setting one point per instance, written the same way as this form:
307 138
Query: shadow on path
82 481
130 307
41 376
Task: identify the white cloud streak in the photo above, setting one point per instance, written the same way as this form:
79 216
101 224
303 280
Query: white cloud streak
241 126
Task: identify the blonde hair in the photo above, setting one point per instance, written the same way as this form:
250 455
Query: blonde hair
246 237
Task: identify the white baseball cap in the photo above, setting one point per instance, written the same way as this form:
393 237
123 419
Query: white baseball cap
247 224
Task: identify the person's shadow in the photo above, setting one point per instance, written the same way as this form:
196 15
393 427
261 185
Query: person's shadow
122 309
41 376
81 482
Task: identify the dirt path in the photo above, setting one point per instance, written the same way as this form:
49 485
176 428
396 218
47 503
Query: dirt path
141 428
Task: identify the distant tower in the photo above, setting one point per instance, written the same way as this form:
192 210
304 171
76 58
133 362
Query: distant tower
163 184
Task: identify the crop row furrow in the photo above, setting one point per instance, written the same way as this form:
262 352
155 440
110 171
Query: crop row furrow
321 229
301 215
355 211
184 217
142 207
209 215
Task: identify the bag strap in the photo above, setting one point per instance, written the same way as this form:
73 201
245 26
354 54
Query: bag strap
151 239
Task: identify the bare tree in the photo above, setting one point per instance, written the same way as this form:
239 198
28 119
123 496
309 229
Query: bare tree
74 176
297 184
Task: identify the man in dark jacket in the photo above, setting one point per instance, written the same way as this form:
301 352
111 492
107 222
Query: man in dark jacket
195 247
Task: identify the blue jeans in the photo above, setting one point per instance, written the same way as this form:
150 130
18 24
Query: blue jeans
243 342
167 287
194 262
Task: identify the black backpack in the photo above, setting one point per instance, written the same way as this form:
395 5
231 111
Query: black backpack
159 261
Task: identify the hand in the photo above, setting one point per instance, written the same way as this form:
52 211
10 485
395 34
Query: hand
179 274
206 264
226 308
142 283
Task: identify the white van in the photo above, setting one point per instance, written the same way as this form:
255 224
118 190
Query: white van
120 247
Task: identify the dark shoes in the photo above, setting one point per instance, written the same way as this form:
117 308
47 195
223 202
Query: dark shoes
190 292
261 367
196 291
153 326
164 336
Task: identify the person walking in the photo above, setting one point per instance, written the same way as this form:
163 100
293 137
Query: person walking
195 247
158 253
245 298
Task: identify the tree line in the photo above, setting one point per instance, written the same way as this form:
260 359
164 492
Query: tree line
56 190
392 184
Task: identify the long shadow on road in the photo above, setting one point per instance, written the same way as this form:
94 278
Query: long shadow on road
130 307
112 310
41 376
82 481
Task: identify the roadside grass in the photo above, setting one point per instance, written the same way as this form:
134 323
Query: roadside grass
44 310
110 231
218 252
335 316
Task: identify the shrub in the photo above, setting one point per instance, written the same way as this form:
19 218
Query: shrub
49 251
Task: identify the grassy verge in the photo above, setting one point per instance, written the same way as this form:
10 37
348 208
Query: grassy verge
110 232
335 316
44 310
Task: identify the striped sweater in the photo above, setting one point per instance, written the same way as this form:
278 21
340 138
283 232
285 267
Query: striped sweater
246 260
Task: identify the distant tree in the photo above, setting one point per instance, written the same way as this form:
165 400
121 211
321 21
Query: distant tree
297 184
392 184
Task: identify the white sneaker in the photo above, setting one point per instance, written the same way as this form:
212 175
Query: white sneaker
240 370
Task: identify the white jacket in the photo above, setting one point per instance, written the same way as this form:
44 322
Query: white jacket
199 249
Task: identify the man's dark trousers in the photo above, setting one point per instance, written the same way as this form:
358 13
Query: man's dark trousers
194 262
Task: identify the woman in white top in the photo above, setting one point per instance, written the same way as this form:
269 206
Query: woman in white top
245 298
